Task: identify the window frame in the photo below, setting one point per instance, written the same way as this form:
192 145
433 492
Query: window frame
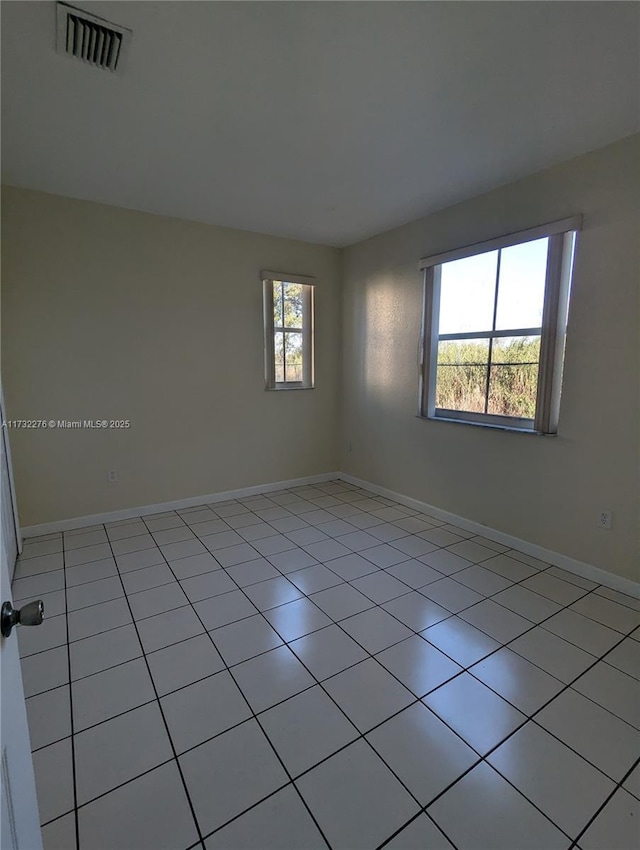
562 237
307 330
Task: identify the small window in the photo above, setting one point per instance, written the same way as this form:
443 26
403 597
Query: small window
288 331
494 325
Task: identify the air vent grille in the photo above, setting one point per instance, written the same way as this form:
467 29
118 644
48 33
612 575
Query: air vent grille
92 39
93 43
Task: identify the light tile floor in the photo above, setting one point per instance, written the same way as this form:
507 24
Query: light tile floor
323 667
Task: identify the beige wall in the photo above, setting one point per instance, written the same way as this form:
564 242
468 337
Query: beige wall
546 490
115 314
109 313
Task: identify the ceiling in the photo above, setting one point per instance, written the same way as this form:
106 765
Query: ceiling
320 121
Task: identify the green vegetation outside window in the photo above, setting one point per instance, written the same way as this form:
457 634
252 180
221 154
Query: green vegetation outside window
288 316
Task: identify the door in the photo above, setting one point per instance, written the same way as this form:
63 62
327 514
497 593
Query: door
20 823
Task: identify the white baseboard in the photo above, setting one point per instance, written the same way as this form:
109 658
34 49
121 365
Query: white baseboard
161 507
580 568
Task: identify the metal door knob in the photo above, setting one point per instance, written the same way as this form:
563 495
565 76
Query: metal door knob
31 614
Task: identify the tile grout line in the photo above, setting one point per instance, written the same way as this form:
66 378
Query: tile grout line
412 513
157 699
463 669
528 718
374 572
623 636
170 760
531 718
418 633
362 735
375 604
534 625
357 552
618 786
481 758
504 551
71 717
253 717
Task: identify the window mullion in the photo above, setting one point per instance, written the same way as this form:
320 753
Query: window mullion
493 327
284 354
508 332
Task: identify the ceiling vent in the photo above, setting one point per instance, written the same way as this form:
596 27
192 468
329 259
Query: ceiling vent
92 39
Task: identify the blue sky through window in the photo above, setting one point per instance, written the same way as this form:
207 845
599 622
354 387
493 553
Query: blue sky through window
467 289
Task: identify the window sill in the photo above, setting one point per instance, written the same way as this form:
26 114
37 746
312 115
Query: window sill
286 389
512 428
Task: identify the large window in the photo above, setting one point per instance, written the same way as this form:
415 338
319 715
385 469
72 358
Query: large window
494 326
288 324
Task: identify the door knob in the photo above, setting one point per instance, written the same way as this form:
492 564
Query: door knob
31 614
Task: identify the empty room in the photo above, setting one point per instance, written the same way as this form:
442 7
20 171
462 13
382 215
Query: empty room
320 425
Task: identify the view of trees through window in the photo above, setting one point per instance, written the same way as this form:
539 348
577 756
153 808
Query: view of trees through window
463 372
288 321
498 296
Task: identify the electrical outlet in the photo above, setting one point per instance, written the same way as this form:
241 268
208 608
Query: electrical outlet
112 475
605 519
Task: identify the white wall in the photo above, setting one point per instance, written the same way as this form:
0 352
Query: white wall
109 313
546 490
